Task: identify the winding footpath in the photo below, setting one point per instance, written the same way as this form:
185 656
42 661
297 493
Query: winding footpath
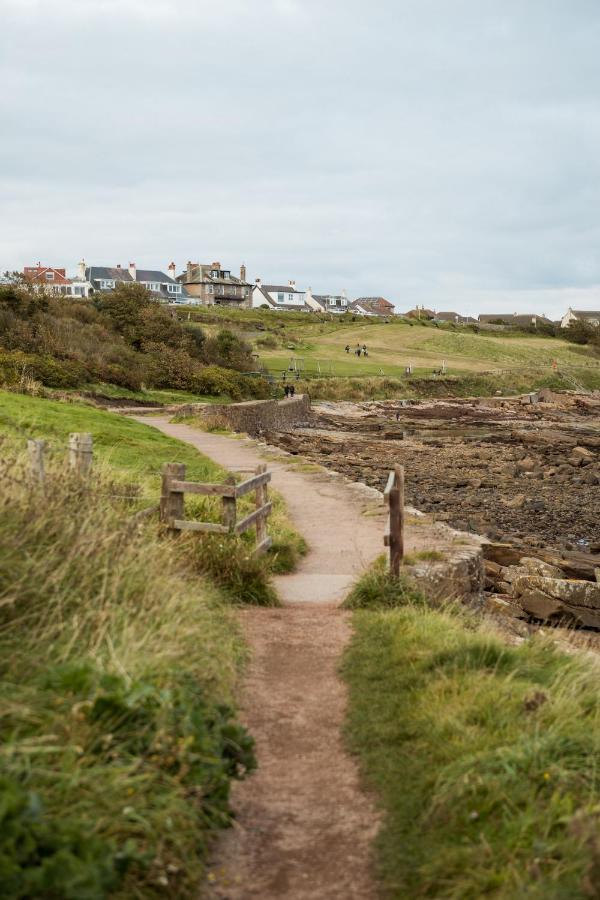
304 827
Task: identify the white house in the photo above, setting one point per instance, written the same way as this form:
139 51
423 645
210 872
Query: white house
279 296
331 303
580 315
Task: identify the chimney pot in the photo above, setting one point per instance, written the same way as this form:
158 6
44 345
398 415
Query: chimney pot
133 270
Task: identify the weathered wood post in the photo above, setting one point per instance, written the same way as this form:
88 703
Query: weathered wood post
261 500
229 507
171 502
35 450
80 453
396 503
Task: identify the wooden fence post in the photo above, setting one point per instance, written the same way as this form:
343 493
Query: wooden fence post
396 502
171 502
36 460
80 453
261 500
229 507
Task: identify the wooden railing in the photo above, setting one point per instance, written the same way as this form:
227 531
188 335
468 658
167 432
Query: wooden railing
175 487
393 538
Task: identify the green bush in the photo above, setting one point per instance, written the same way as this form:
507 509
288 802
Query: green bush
58 373
44 856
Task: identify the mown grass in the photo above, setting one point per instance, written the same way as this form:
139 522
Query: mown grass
484 757
119 665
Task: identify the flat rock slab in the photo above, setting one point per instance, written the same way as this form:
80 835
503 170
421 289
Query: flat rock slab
575 593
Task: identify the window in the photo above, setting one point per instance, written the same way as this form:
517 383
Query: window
280 298
78 291
332 301
214 273
246 292
291 298
226 274
106 284
49 276
344 302
174 288
209 288
152 285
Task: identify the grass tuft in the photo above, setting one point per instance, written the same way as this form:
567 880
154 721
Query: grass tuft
377 589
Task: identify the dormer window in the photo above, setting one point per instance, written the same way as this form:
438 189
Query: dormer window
226 274
49 276
106 284
174 288
214 273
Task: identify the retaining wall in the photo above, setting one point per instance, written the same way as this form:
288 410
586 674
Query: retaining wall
256 416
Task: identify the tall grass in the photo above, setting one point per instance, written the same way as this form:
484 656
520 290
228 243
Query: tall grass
118 667
485 757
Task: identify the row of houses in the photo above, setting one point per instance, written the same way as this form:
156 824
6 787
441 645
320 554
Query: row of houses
210 284
201 284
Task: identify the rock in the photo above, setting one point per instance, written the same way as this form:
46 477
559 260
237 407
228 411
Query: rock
574 461
537 505
542 606
534 566
504 587
575 593
516 503
504 606
526 465
597 574
583 453
492 569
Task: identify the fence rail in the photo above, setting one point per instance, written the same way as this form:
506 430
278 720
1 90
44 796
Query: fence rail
393 537
172 511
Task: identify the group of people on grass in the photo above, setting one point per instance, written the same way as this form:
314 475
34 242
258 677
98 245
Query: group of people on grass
359 350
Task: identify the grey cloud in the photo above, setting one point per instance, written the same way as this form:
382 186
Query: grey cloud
426 150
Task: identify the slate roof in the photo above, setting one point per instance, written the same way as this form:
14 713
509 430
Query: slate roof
281 289
513 318
108 273
586 313
370 300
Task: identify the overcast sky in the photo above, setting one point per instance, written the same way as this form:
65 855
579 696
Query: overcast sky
444 152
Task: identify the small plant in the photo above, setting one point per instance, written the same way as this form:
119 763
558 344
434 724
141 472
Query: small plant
377 589
411 559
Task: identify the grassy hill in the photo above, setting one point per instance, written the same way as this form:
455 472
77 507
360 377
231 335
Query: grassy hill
316 345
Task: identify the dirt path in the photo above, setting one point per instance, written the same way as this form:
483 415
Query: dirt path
304 827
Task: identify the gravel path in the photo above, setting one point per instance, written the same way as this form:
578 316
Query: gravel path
304 827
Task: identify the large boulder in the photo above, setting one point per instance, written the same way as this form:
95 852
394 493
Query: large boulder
575 593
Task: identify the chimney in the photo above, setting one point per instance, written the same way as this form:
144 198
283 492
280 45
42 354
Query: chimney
242 272
258 282
81 270
216 265
292 284
133 271
172 271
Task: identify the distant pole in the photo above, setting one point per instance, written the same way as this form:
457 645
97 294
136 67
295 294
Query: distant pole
35 450
80 453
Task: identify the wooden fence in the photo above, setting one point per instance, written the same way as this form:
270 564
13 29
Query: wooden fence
393 538
175 487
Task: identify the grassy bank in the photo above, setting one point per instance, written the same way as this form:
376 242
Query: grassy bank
484 757
133 454
468 385
119 664
120 658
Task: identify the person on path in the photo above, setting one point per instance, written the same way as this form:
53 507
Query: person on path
292 390
286 390
347 348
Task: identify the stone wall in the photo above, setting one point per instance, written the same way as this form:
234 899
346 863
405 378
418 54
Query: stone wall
256 416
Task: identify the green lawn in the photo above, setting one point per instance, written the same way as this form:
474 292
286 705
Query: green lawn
394 346
484 758
130 448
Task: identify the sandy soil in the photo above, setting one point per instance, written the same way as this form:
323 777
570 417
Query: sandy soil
304 827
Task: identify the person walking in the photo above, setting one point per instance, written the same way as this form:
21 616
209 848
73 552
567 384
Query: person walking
292 390
286 390
347 348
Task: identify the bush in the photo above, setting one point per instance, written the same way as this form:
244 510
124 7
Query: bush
51 372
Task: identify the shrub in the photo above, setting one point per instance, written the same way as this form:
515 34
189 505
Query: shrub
64 373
